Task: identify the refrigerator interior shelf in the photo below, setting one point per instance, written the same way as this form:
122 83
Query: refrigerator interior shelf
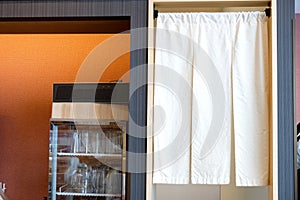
91 154
87 194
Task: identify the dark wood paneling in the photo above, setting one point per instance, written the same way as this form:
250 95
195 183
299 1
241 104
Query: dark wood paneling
64 25
286 167
137 11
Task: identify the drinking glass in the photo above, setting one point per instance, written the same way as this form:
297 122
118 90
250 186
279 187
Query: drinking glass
79 179
98 178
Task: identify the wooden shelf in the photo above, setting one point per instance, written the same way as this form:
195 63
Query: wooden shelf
209 4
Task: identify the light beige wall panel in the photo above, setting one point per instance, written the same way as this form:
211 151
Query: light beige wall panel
187 192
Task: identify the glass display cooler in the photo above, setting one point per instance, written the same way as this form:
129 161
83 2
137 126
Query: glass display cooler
87 159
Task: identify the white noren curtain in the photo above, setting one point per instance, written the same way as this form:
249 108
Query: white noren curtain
211 81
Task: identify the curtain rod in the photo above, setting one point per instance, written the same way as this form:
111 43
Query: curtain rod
267 11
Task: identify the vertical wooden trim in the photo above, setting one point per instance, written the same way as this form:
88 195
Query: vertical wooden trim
149 179
286 169
273 191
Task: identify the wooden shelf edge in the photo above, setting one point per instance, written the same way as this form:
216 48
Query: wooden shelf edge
207 3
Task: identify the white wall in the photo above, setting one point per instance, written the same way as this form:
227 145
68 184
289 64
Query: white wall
297 6
231 192
187 192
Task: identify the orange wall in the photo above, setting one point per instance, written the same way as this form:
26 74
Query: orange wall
29 65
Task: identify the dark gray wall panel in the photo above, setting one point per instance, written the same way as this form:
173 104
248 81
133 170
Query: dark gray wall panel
286 170
66 8
138 12
138 106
